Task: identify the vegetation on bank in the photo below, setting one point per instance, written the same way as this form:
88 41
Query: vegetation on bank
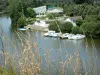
90 26
22 13
18 9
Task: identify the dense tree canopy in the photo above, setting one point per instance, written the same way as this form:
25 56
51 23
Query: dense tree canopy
18 7
79 22
91 26
76 30
64 27
3 5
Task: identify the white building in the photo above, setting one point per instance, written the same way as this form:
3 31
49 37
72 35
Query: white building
73 20
56 10
69 20
41 23
40 11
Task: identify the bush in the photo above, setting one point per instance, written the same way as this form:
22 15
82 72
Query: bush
98 18
90 18
91 29
30 20
66 27
53 15
53 26
76 30
21 21
79 22
30 13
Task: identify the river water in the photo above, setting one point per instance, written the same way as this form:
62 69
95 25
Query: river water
54 44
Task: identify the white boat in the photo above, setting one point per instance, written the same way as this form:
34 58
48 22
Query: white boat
49 33
64 36
52 34
78 36
22 29
55 35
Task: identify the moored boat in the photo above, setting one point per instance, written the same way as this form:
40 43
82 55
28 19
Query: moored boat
22 29
75 37
64 36
56 35
49 33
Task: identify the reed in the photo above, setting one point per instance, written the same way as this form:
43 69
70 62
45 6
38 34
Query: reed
26 59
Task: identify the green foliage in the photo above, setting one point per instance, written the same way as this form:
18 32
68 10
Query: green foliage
65 27
3 5
82 9
22 21
76 30
50 16
91 29
30 13
53 15
79 1
91 18
4 71
30 20
98 17
18 7
15 10
79 22
83 1
53 26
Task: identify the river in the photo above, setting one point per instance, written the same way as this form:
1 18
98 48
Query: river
54 44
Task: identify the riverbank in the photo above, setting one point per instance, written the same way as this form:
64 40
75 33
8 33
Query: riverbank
35 27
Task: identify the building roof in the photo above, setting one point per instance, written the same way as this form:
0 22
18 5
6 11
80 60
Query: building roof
41 9
56 10
71 21
75 18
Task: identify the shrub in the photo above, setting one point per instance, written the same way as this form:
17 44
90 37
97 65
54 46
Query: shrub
76 30
30 13
90 29
53 15
66 27
79 22
53 26
22 21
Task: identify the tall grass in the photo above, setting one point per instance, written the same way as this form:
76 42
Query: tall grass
26 59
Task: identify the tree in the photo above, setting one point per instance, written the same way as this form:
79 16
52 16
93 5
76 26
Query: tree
3 5
18 7
90 18
79 22
76 30
53 15
21 21
14 10
79 1
83 1
66 27
53 26
90 29
98 18
30 13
